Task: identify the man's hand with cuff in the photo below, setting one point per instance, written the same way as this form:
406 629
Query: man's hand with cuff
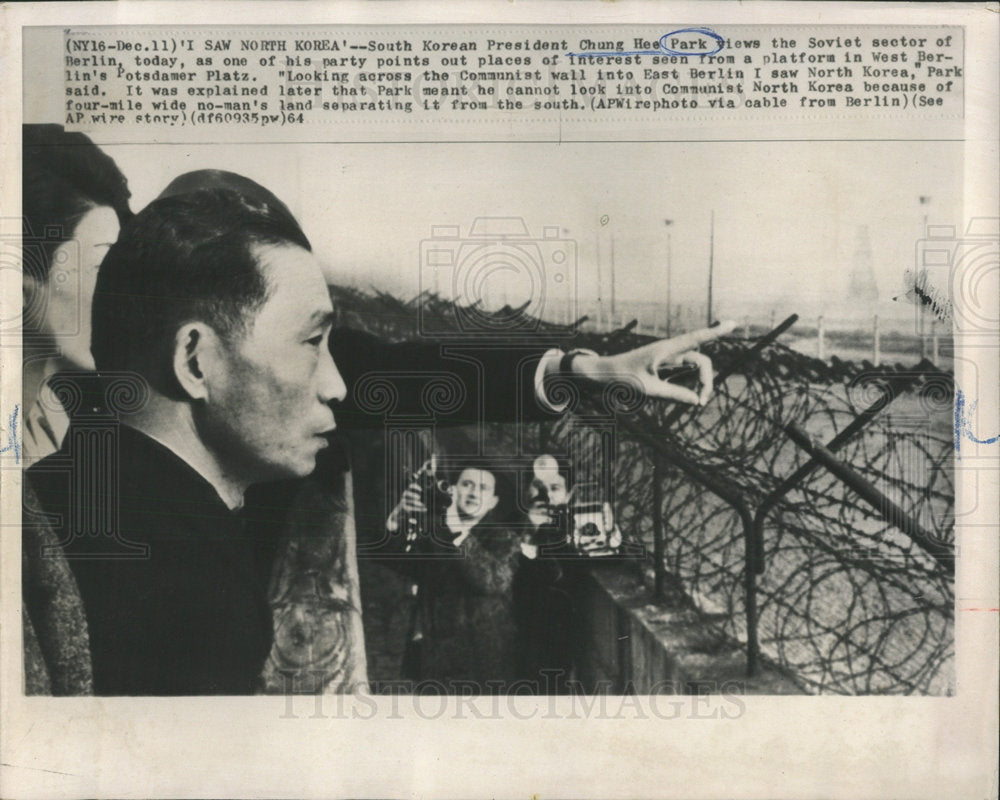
640 366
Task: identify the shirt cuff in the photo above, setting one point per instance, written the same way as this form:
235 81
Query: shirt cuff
550 356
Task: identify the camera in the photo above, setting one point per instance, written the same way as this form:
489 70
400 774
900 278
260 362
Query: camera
580 527
593 532
553 536
499 280
421 528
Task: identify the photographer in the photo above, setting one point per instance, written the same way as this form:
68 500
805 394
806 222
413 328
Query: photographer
562 528
462 558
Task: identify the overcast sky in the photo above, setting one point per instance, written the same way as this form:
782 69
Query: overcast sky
788 216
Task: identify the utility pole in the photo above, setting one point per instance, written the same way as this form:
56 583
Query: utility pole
921 311
668 223
711 265
600 300
612 280
877 343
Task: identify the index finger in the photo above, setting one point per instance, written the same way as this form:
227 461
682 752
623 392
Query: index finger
689 341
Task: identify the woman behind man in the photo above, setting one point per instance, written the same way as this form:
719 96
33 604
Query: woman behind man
74 201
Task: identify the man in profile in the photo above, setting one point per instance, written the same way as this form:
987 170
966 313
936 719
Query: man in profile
218 304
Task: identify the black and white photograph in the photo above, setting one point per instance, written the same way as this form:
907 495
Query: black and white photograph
421 380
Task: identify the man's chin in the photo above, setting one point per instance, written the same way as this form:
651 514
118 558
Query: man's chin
79 359
300 468
310 456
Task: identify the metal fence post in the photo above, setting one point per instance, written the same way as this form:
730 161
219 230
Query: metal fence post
750 601
659 536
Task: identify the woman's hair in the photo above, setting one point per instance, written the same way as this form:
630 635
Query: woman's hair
65 175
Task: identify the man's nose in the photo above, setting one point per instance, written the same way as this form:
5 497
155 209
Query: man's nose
331 384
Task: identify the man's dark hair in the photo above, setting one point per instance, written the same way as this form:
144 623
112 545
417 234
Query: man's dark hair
222 179
504 476
183 258
65 175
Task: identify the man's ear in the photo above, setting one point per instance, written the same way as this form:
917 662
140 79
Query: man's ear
32 294
195 358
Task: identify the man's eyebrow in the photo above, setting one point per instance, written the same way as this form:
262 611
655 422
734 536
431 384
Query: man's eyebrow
322 317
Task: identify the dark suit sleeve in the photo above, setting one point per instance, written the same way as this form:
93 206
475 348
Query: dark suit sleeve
455 383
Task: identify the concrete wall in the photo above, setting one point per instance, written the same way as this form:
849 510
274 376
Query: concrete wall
631 642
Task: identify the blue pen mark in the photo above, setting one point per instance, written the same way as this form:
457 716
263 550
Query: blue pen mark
963 425
665 49
13 439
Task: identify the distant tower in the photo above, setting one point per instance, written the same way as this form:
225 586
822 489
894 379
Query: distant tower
863 291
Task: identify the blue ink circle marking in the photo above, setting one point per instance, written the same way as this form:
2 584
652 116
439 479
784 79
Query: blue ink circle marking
700 31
